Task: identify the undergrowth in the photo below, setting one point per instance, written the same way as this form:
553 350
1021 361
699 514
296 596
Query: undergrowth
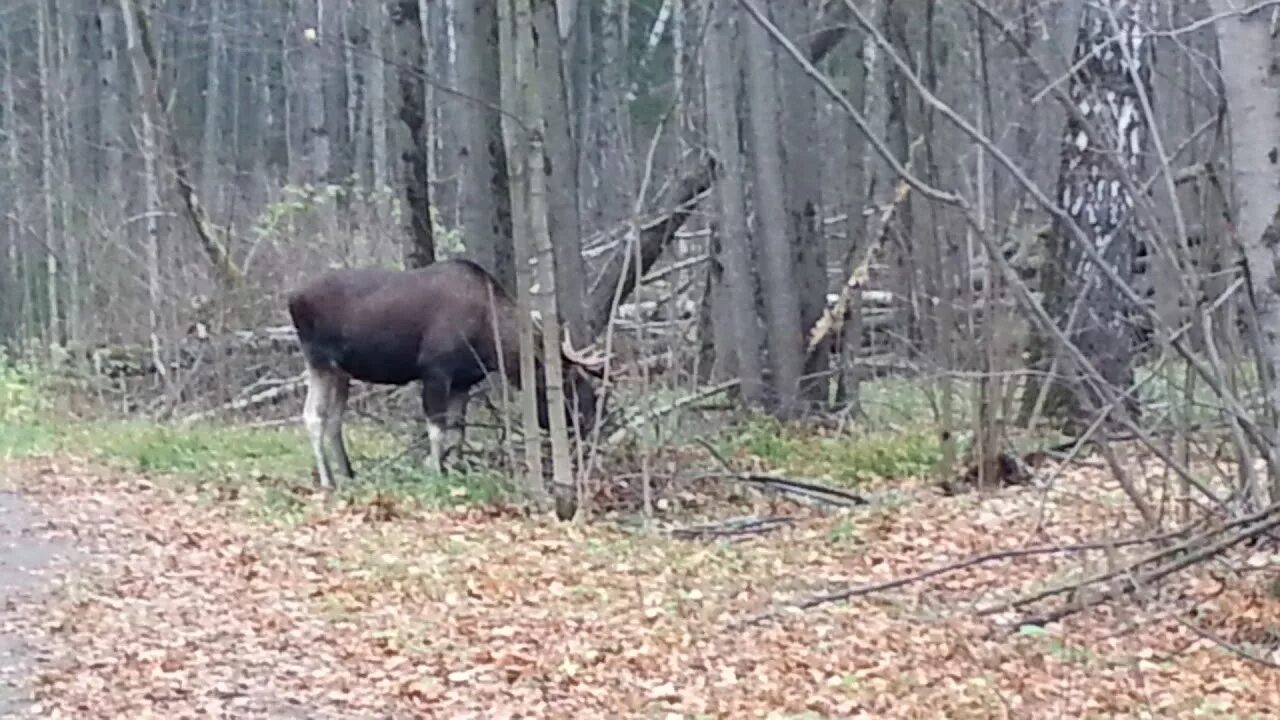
895 437
271 464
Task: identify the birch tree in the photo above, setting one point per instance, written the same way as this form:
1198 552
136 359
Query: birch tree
1113 55
1248 50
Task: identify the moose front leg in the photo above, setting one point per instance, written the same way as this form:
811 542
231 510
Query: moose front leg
339 390
321 397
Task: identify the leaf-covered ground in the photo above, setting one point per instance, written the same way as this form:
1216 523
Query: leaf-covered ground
191 606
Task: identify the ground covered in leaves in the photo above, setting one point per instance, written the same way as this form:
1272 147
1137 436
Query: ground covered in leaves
194 604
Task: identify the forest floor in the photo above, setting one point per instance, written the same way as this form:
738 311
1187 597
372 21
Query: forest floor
190 600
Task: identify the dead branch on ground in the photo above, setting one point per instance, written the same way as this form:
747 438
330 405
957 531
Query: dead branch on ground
869 588
806 489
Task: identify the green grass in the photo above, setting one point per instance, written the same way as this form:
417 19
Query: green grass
274 462
848 459
896 437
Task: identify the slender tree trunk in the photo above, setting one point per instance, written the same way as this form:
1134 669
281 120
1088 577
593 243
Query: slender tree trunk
17 310
211 140
561 181
332 59
75 165
110 113
522 227
721 79
485 203
149 148
538 76
410 66
615 179
781 293
54 329
804 182
376 71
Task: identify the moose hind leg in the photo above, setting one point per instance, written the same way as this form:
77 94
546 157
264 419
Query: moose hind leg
317 409
435 400
455 426
340 388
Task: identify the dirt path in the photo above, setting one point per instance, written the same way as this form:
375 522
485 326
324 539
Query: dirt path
24 554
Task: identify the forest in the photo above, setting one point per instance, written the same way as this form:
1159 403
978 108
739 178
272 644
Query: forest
916 358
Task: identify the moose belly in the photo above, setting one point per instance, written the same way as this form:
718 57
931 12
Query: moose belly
372 363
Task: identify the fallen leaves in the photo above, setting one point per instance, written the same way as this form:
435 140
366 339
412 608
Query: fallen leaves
193 609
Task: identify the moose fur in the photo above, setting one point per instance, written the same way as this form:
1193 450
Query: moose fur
448 326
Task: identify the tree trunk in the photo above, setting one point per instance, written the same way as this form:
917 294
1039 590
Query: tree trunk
410 66
721 79
110 118
803 177
561 181
211 140
1092 312
149 148
522 240
542 92
484 200
1252 90
615 184
49 231
333 88
16 310
376 71
774 236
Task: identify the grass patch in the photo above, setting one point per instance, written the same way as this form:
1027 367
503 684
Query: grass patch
273 462
846 459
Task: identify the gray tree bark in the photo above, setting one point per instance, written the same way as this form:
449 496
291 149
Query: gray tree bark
721 78
410 56
1252 89
774 233
561 174
484 200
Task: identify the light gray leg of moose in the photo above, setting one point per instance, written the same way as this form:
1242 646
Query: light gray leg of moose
340 386
436 437
314 412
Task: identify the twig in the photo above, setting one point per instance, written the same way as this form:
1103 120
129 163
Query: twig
867 589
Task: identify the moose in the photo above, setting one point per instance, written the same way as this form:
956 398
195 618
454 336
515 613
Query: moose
448 325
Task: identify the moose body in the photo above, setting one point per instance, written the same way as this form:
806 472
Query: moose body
448 326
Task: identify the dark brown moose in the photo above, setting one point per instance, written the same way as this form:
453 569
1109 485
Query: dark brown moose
448 325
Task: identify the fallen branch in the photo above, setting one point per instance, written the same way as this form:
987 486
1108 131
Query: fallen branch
750 525
834 314
663 410
893 584
801 488
1270 521
1149 559
257 399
